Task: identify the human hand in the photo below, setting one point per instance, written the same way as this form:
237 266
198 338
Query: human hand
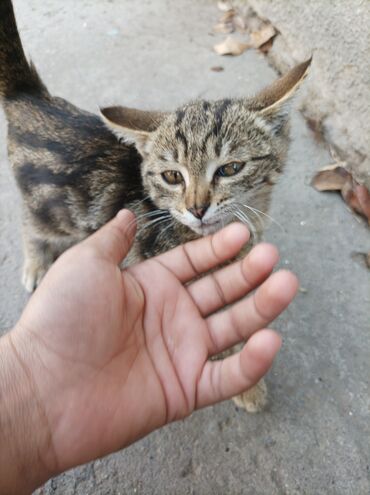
111 355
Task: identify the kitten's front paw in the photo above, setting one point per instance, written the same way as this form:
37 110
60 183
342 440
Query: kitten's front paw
32 275
253 400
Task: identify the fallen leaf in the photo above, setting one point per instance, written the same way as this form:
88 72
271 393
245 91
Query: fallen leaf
231 46
224 5
225 24
330 178
336 177
357 197
228 16
350 197
263 35
266 47
223 28
239 23
363 196
217 68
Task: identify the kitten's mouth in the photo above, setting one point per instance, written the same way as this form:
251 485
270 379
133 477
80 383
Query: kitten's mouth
205 227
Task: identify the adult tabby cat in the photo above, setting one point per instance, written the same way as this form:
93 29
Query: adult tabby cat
184 173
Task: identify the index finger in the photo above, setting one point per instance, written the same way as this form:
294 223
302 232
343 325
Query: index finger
194 258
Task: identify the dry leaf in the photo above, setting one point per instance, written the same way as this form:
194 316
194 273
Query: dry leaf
357 197
223 28
263 35
266 47
239 23
225 24
330 178
231 46
224 5
231 20
228 16
363 196
336 177
217 68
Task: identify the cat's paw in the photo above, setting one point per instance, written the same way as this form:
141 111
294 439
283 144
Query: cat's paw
32 275
253 400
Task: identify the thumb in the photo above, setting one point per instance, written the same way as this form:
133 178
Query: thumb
114 240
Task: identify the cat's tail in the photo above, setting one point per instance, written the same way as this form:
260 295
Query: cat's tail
16 74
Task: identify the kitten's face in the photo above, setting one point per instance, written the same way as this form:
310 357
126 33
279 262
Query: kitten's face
209 162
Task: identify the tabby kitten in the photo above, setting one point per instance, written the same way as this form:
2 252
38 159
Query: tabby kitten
184 173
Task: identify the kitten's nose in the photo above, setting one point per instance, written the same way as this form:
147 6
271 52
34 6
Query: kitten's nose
199 212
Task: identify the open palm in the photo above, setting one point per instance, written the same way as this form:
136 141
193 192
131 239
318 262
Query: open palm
116 354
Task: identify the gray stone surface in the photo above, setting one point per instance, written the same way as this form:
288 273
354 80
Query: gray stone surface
338 36
314 437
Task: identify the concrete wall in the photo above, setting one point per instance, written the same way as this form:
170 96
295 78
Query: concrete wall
337 95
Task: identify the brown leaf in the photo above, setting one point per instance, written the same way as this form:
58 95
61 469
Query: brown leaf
330 178
357 197
231 46
363 196
266 47
228 16
350 197
263 35
336 177
217 68
225 24
223 28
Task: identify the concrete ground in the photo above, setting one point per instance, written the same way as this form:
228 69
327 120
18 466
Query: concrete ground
314 437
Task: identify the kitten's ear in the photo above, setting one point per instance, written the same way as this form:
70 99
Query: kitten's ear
273 103
131 125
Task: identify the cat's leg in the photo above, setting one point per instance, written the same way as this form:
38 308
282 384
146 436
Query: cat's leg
253 400
38 257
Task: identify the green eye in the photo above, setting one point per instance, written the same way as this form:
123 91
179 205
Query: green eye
172 177
229 169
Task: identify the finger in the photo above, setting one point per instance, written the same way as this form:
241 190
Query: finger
235 374
114 239
196 257
240 321
234 281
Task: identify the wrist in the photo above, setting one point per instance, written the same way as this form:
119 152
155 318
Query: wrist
26 459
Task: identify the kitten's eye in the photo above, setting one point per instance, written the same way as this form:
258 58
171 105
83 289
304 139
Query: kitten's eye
229 169
172 177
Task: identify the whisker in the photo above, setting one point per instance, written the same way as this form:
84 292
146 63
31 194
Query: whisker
156 220
158 214
155 223
266 215
246 220
142 200
164 230
257 212
260 219
150 214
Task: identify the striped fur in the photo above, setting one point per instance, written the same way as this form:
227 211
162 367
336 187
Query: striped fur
74 175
